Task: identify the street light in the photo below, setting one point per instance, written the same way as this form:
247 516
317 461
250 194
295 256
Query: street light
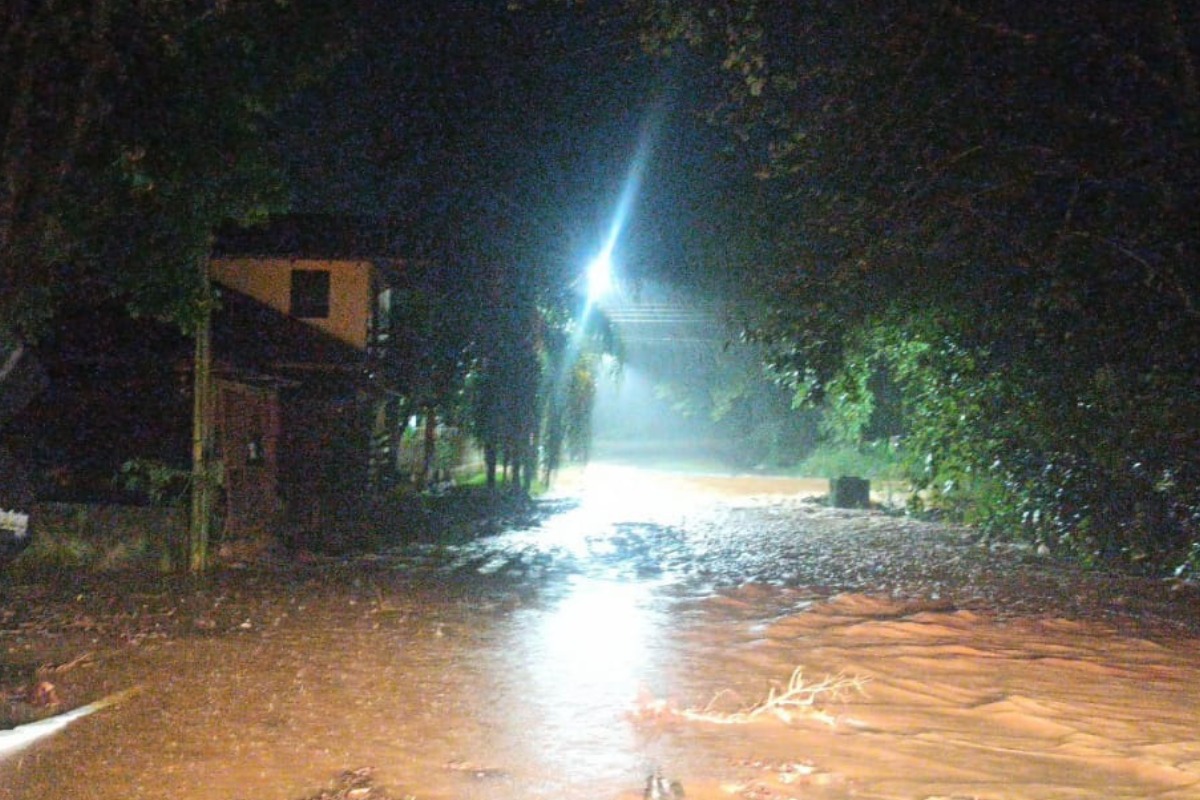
600 272
600 276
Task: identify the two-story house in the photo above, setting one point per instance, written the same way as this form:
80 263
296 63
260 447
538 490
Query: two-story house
299 405
330 409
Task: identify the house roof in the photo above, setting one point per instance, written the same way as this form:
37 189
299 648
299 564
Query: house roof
250 339
251 335
378 240
315 236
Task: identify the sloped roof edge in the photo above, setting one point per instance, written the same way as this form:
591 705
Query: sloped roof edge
316 236
249 332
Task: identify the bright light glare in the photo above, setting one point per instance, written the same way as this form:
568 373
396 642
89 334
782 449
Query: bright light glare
600 276
578 662
598 637
600 271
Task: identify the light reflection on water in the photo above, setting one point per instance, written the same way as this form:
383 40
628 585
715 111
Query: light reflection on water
576 667
519 652
575 661
621 527
598 636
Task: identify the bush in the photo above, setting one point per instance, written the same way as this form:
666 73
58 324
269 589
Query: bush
880 460
97 538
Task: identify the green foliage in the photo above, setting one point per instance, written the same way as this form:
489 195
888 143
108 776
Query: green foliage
54 552
850 405
1189 567
728 395
161 483
129 133
986 241
97 538
878 460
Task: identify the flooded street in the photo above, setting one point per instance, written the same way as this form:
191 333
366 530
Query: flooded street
641 626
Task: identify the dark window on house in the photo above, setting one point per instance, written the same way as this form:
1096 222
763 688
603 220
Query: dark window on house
310 293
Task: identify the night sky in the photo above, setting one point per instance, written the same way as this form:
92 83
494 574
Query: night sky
514 132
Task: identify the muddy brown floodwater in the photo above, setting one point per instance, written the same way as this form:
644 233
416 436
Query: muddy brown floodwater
640 627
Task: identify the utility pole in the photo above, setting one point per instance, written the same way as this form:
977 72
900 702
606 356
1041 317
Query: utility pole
196 554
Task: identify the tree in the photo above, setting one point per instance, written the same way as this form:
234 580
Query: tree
532 380
431 346
578 343
992 205
130 133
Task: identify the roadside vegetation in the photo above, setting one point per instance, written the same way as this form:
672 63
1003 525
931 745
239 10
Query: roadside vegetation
878 461
89 538
973 229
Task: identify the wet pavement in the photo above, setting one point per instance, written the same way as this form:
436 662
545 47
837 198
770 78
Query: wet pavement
546 662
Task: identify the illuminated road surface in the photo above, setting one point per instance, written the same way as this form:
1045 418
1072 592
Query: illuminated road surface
625 634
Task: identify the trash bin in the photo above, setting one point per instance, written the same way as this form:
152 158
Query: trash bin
850 492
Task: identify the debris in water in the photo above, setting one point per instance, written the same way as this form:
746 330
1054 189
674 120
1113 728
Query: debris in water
797 700
43 695
357 784
659 788
477 771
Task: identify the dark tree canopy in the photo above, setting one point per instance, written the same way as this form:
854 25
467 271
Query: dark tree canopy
129 131
992 206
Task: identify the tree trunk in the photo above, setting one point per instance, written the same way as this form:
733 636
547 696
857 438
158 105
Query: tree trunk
490 459
430 449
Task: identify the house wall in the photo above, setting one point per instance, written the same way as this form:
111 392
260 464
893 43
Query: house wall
269 281
324 455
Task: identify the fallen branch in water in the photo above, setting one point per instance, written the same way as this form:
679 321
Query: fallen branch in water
59 669
797 700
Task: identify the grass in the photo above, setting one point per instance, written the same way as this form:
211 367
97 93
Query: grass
57 549
874 461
